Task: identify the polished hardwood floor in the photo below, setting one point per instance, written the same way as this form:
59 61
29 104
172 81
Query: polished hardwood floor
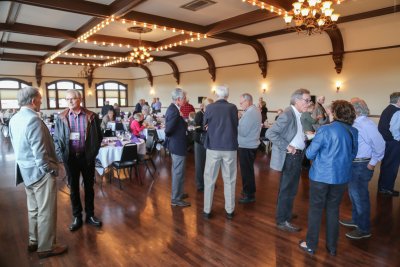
142 229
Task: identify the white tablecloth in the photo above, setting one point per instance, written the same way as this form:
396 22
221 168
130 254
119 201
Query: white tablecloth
110 153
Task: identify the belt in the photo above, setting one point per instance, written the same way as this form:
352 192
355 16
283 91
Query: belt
361 159
298 152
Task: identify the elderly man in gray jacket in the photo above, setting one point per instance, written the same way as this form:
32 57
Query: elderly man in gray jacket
288 139
249 140
36 167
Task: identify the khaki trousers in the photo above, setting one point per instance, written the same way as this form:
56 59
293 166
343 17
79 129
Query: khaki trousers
42 212
227 160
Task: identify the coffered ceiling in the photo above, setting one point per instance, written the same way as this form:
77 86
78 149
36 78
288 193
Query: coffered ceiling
33 30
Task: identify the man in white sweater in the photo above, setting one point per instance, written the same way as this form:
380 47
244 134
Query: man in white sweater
249 139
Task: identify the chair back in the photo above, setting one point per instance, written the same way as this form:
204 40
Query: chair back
152 132
108 133
150 143
129 153
119 126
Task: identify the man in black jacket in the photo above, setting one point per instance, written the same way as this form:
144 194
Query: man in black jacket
77 138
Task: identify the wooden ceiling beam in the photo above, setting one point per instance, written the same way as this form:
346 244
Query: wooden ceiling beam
20 57
240 21
282 4
29 46
163 21
73 6
119 40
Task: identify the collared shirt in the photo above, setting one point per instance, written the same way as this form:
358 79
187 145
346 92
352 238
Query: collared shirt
395 125
157 105
370 142
77 124
186 109
298 140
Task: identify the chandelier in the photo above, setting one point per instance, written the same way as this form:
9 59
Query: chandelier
140 55
312 16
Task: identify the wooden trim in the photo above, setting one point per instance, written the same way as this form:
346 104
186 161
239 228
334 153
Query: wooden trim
56 90
172 64
119 91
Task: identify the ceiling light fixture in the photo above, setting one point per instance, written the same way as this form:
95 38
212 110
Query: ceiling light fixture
312 16
140 55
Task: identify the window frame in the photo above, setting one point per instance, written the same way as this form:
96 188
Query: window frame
83 103
104 92
16 89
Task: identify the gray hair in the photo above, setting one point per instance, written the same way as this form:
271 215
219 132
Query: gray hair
360 107
178 93
298 94
247 97
146 109
394 97
76 93
26 95
222 91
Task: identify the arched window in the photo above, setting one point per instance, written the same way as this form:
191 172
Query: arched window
8 92
56 92
112 91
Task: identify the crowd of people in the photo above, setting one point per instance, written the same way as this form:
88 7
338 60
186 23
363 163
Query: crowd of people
345 148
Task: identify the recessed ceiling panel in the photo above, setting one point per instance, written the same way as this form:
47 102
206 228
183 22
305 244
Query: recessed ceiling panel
24 38
103 2
204 42
51 18
4 8
208 15
262 27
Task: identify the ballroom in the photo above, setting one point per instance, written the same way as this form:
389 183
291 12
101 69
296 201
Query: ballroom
124 51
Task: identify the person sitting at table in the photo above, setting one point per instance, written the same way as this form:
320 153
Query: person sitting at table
135 126
146 114
109 117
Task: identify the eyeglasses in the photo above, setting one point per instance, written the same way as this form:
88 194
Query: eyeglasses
73 98
307 100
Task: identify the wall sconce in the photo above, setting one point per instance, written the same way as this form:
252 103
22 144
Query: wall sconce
213 90
338 85
264 88
89 93
152 91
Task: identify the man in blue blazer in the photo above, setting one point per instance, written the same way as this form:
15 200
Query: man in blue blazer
36 166
288 147
175 142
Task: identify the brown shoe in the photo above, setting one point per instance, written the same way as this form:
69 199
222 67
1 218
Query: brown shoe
32 247
57 250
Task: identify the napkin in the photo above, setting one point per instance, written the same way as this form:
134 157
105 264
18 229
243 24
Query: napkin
134 139
118 143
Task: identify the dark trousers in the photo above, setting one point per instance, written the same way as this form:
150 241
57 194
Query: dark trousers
200 162
247 157
328 197
76 166
288 187
390 165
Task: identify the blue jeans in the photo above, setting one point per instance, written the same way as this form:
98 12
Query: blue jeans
359 195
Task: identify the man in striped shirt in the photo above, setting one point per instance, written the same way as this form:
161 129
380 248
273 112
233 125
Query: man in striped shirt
77 138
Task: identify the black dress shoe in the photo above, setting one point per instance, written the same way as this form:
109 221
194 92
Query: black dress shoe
185 195
288 227
94 221
247 199
305 248
389 193
180 203
57 250
32 247
331 252
229 216
76 224
207 215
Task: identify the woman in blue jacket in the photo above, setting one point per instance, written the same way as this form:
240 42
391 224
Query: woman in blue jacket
332 152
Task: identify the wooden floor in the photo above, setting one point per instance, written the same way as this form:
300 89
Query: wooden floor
142 229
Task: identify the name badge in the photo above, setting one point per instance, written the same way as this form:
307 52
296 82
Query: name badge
74 136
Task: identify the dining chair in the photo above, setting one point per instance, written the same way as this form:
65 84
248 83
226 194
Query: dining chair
129 160
148 157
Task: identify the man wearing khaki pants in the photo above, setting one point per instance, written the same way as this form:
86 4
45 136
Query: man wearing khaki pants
36 167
